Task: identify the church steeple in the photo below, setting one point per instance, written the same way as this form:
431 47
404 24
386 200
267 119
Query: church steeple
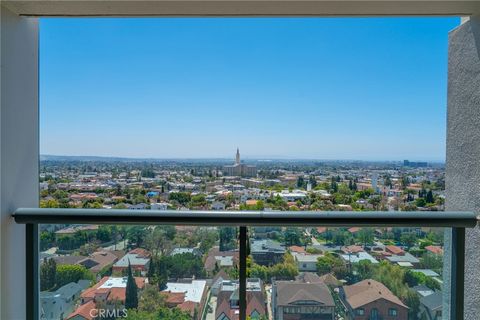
237 157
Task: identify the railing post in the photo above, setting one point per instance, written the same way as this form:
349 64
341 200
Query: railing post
457 276
32 277
243 273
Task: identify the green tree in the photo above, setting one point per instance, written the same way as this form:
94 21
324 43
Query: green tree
71 273
151 300
429 198
366 236
181 197
162 274
51 203
104 234
408 239
136 236
420 202
162 313
293 236
228 237
47 240
300 182
413 302
48 271
330 263
365 269
432 261
131 294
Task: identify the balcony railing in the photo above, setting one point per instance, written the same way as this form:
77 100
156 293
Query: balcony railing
457 221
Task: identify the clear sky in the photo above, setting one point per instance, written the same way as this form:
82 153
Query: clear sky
316 88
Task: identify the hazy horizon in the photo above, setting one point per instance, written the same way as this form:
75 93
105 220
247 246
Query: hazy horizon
259 159
359 89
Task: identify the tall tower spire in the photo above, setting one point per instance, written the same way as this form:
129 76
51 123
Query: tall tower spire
237 157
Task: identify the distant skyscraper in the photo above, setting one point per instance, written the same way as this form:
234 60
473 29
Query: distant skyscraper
407 163
237 157
239 169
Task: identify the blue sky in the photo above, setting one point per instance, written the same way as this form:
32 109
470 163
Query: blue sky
351 88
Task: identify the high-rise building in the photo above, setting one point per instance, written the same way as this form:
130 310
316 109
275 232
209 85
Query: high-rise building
239 169
407 163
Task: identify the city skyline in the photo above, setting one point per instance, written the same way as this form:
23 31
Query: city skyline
277 88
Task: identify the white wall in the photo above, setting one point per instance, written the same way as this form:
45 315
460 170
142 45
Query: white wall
18 152
462 184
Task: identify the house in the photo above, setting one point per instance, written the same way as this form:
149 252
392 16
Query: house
228 300
431 306
266 252
70 231
302 299
307 262
217 281
354 230
291 196
110 290
394 250
217 205
187 296
370 299
266 232
138 259
139 206
423 290
405 259
220 259
330 280
352 249
434 249
98 260
321 230
69 259
59 304
87 311
357 257
297 249
159 206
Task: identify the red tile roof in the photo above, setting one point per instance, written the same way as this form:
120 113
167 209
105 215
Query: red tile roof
434 249
173 298
297 249
354 229
352 249
140 252
113 293
188 306
85 311
394 249
367 291
321 229
117 294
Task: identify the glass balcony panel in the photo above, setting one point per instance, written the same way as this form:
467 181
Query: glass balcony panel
348 273
136 271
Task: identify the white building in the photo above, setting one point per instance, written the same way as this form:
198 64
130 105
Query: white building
307 262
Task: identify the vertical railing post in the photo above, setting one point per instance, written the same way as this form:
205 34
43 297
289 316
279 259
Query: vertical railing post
243 273
32 278
457 276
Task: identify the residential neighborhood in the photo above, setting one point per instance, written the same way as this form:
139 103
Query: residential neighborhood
148 272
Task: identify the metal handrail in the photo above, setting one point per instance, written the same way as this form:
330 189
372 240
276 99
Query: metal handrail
457 221
248 218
